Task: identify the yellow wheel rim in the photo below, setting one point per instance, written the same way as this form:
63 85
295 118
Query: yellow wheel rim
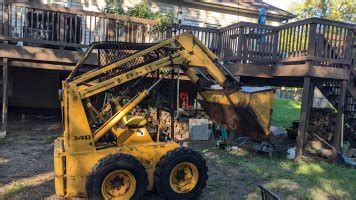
119 184
184 177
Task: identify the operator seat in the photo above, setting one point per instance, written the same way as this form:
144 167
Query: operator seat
133 121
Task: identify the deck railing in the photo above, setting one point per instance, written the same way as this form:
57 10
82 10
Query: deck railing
41 24
209 36
322 42
249 42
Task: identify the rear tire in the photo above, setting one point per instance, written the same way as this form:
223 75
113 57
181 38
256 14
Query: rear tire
181 174
117 176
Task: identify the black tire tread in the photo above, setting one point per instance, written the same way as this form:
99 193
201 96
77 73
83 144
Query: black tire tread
112 158
160 167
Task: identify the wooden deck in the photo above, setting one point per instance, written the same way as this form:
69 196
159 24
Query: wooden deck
308 53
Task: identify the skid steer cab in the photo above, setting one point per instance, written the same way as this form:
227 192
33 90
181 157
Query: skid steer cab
107 153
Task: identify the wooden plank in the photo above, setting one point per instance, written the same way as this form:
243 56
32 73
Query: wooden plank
293 42
62 27
310 105
247 24
292 59
42 65
303 70
329 72
240 42
284 43
313 58
305 111
6 19
312 40
39 41
317 21
202 29
44 54
326 44
297 70
330 42
338 137
323 43
306 35
4 97
291 70
348 48
252 70
2 17
320 42
341 42
332 23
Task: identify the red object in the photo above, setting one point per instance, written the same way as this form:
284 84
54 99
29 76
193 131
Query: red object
184 97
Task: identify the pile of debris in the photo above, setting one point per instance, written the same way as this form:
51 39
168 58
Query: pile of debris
322 125
322 122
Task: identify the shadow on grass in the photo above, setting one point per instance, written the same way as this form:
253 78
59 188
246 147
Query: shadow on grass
287 179
22 191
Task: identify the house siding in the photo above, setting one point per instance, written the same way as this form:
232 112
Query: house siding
196 13
206 16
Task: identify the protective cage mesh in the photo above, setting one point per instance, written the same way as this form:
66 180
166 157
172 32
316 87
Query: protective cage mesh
162 96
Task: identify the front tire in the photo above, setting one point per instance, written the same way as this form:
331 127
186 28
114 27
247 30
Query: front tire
118 176
181 174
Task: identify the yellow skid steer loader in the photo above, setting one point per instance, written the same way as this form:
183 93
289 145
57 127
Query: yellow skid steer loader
106 153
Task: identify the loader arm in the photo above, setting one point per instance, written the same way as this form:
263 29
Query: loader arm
185 51
188 52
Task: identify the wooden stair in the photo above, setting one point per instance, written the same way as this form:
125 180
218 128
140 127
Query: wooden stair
331 91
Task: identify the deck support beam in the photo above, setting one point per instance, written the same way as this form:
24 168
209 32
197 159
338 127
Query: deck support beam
310 106
307 102
339 129
5 66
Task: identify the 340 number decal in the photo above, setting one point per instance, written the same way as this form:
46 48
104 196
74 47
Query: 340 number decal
82 137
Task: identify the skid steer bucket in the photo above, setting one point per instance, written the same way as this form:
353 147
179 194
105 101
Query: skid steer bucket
247 111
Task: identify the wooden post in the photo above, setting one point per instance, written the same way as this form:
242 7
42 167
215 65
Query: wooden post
304 115
310 105
275 45
4 97
348 46
62 27
312 40
240 42
339 129
219 46
6 19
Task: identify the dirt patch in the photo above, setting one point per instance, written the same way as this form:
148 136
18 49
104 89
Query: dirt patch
26 169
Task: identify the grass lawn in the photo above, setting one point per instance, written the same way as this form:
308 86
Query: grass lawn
286 178
284 112
235 175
